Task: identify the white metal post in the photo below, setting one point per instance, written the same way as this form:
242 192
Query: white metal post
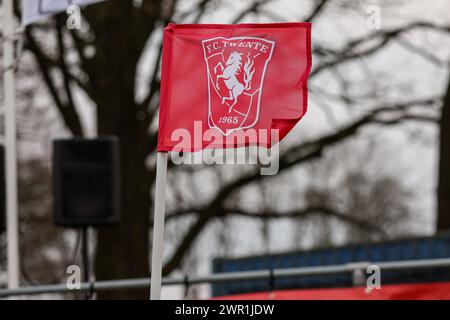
158 225
10 145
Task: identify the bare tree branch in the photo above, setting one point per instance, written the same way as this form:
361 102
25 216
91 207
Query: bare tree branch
303 213
201 9
422 52
317 10
293 214
62 61
154 82
252 8
293 156
381 38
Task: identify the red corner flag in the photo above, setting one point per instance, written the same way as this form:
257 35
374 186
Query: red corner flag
227 86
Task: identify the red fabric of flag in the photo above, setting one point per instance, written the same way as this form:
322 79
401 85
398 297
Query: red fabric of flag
228 86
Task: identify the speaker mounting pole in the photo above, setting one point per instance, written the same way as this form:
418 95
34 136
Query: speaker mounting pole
12 224
158 225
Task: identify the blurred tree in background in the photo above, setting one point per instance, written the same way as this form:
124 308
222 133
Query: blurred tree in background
111 66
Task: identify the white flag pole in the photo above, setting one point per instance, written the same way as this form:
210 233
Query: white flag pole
158 225
12 226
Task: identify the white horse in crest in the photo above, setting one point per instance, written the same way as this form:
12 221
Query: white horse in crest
233 66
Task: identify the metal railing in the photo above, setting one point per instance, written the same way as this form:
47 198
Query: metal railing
226 277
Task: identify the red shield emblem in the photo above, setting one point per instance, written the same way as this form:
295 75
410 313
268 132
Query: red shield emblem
235 68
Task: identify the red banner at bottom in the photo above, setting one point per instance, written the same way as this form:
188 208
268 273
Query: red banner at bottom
421 291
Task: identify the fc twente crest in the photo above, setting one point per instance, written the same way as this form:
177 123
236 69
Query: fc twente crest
236 68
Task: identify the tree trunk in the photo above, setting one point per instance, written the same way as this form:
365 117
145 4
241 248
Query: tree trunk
443 201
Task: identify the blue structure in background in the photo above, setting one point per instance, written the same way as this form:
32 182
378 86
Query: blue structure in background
410 249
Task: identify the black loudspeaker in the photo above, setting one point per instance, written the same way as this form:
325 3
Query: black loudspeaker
86 182
2 190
